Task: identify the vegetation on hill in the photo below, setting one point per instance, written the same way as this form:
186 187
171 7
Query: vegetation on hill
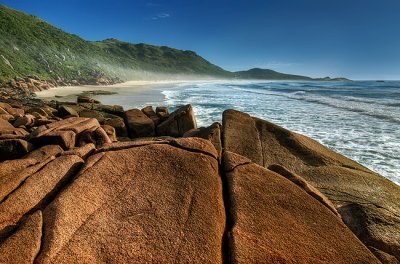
264 74
30 46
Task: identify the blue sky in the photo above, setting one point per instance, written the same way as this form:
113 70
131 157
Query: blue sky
359 39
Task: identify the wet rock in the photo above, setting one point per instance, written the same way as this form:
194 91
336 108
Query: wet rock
274 221
139 125
178 123
86 99
92 114
160 208
13 148
67 111
368 203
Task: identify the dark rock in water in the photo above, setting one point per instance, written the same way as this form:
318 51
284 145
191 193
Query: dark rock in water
67 111
98 92
178 123
119 125
13 148
86 99
149 112
160 208
139 125
211 133
273 221
346 183
24 245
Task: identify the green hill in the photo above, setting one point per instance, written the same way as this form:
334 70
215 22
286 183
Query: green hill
264 74
31 46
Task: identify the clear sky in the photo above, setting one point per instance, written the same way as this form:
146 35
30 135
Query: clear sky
359 39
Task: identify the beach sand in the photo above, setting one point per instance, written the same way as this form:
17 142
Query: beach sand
129 94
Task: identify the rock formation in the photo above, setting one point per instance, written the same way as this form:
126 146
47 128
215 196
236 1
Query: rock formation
76 189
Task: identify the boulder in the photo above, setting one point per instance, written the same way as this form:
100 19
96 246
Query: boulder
13 148
67 111
97 137
139 125
110 132
149 112
178 123
64 133
119 125
160 208
273 221
86 99
26 120
368 203
211 133
92 114
24 245
35 190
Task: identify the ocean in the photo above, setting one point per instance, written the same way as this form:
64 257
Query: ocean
359 119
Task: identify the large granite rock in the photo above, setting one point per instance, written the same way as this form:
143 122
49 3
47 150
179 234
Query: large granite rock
138 205
139 124
178 123
35 191
24 245
67 132
368 203
211 133
273 221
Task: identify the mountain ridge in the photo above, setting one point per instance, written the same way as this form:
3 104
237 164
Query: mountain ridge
31 46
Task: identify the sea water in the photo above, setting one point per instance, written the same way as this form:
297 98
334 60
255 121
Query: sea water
359 119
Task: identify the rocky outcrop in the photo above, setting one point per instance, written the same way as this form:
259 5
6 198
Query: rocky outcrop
368 203
139 124
81 197
24 245
273 221
178 123
158 209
